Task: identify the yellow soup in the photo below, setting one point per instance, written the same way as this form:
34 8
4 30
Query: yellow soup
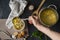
18 24
48 16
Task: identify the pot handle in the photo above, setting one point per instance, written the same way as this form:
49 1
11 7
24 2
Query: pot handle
52 5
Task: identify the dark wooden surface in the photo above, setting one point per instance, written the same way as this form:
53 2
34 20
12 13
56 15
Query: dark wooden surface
5 10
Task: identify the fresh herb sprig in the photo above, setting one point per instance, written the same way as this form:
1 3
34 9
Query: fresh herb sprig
39 35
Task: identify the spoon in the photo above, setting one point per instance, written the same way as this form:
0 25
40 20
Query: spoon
37 11
26 19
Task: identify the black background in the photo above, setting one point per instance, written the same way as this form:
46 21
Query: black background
5 11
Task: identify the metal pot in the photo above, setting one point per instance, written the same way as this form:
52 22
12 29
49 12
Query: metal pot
48 16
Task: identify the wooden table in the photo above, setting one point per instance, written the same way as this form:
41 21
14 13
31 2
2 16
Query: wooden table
3 26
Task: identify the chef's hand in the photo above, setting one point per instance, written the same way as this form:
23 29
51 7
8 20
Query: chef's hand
34 20
52 34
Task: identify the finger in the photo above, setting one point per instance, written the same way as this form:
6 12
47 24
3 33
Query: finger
30 20
33 20
35 17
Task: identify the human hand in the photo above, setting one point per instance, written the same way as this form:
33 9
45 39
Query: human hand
34 20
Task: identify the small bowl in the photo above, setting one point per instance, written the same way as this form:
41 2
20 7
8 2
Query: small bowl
18 22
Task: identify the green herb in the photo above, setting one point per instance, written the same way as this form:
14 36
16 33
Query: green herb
38 34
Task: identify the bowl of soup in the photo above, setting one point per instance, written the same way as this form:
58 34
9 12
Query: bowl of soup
18 23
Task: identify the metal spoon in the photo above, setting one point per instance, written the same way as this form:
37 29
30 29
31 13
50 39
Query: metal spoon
26 19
